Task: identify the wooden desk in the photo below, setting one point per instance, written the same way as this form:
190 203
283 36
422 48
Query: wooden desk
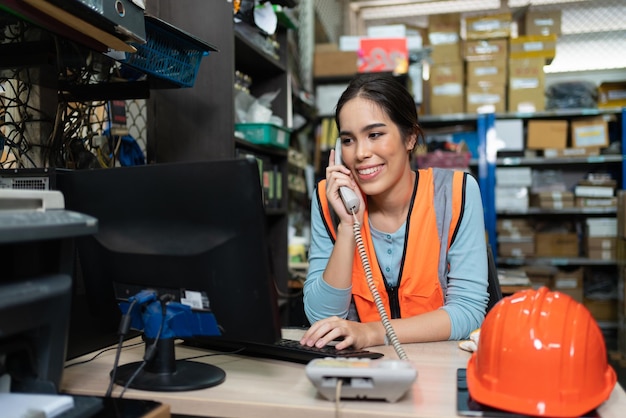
271 388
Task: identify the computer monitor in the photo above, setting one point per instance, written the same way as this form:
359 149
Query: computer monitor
175 227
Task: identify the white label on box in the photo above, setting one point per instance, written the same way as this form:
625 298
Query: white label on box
566 283
486 49
544 22
443 38
483 71
617 94
524 83
533 46
483 98
486 25
590 135
448 89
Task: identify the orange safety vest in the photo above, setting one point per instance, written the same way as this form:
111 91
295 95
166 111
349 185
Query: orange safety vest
438 199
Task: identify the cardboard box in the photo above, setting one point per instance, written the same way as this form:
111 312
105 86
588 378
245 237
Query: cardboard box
334 63
446 53
447 89
541 276
541 23
444 38
602 310
612 94
600 254
514 225
486 49
486 72
543 134
526 100
533 46
590 132
552 200
485 98
596 202
526 85
569 279
556 244
519 248
576 294
488 26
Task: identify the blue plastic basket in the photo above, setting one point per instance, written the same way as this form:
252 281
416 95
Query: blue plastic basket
169 53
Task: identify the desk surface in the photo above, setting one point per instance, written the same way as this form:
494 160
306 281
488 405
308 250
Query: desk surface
262 387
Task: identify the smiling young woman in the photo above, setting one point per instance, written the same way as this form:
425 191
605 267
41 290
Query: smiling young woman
433 286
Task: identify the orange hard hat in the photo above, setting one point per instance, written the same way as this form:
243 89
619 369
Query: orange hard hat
540 353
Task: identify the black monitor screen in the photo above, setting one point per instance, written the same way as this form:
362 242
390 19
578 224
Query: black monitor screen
174 228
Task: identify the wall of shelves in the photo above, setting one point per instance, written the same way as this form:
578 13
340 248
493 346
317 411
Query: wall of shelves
199 123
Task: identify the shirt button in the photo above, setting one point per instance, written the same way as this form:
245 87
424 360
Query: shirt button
388 236
388 251
387 269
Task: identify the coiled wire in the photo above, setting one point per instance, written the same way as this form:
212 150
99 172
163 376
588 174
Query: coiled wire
391 334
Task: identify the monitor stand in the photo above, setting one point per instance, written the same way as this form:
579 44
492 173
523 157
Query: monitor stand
163 373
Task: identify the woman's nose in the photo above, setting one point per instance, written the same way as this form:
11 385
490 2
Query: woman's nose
362 150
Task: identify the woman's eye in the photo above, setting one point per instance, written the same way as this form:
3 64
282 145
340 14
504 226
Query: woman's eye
346 140
375 134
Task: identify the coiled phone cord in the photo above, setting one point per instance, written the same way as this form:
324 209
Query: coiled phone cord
391 334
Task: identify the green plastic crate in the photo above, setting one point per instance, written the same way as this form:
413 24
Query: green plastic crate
265 134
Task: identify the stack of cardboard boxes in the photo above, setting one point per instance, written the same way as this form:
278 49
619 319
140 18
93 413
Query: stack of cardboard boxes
498 67
447 74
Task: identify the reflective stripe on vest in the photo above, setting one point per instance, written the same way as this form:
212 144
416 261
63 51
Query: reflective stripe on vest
434 216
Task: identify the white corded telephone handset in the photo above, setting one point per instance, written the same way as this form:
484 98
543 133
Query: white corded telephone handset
350 199
351 202
362 378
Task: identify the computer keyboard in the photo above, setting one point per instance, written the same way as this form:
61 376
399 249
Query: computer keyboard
283 349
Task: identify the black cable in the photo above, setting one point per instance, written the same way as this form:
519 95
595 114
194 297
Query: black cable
99 353
150 349
123 330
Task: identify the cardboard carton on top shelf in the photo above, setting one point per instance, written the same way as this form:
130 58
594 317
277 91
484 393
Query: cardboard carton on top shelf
488 26
486 49
612 94
542 22
533 46
330 62
444 38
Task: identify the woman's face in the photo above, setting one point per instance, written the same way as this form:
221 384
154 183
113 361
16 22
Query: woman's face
372 146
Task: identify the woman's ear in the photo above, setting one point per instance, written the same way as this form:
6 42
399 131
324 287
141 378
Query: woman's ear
412 141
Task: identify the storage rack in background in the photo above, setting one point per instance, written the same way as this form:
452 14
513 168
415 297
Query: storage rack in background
487 162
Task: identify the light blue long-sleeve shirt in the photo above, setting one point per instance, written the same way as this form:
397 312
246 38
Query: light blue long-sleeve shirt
466 295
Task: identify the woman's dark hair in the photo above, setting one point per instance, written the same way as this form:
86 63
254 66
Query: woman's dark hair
392 97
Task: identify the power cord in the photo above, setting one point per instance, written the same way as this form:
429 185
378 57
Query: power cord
122 331
150 349
391 334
